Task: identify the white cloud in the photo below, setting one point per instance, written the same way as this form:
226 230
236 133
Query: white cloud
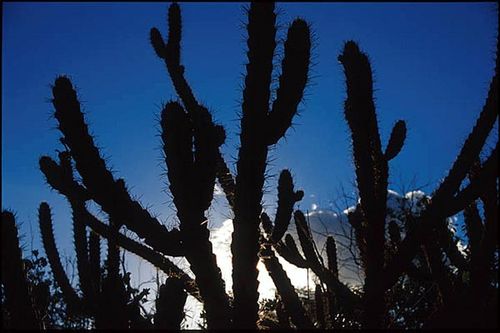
221 241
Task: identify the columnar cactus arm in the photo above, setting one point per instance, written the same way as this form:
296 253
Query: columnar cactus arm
170 305
69 294
252 163
287 293
290 252
320 307
306 241
111 309
346 297
287 249
111 195
192 179
225 179
371 174
62 175
81 248
396 141
73 191
484 254
170 53
445 238
446 191
331 251
283 317
439 271
292 81
267 224
146 253
15 286
287 197
95 263
478 186
474 230
470 149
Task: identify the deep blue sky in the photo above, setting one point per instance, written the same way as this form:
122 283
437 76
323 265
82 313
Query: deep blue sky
432 62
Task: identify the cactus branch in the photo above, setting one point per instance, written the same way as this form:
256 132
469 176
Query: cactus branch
292 81
396 141
102 229
251 164
15 285
192 180
286 199
331 251
95 264
170 305
46 229
111 195
285 288
320 307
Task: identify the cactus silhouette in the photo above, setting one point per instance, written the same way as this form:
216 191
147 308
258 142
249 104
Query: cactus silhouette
253 150
245 192
421 253
15 286
170 305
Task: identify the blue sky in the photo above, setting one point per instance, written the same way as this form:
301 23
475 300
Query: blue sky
432 67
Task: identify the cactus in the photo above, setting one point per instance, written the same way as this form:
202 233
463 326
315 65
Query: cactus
320 307
254 145
46 230
192 179
170 305
250 178
286 199
110 194
73 191
191 143
95 263
18 300
372 170
331 252
285 289
283 318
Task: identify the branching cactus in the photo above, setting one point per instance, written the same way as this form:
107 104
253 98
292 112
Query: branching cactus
201 119
110 305
289 298
244 194
192 179
287 197
191 143
371 172
253 151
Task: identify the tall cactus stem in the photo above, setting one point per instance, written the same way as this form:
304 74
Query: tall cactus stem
46 229
15 285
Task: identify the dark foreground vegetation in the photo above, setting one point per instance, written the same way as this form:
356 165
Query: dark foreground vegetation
415 262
